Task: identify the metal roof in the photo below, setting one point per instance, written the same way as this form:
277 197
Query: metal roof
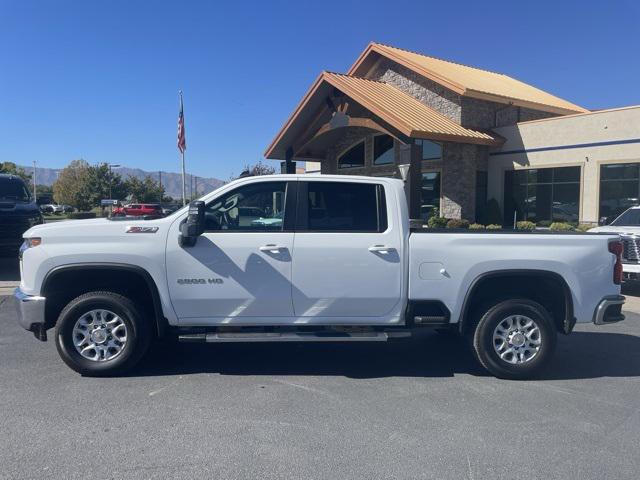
402 111
470 81
409 116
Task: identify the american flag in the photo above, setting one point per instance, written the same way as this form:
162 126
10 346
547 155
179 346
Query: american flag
182 141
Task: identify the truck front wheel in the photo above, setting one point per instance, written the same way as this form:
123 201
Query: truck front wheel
101 334
514 339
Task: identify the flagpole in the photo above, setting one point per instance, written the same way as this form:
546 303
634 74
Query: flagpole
182 146
184 185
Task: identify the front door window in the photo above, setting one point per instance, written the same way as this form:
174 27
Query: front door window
258 207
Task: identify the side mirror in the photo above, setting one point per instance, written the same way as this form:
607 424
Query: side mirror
193 226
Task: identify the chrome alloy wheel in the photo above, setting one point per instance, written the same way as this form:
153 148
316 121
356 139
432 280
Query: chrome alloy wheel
99 335
517 339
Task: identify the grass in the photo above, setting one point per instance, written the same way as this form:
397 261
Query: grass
52 216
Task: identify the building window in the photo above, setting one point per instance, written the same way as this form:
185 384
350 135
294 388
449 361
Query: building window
430 150
354 157
429 194
619 189
382 150
542 195
482 181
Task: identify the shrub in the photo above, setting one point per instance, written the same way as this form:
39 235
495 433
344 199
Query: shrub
493 213
81 215
476 226
544 223
494 226
437 222
583 227
561 227
525 225
458 223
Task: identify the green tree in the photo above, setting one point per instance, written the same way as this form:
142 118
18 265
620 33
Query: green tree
44 190
145 191
255 170
73 186
105 183
12 169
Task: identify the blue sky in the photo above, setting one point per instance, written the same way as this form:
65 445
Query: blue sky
99 79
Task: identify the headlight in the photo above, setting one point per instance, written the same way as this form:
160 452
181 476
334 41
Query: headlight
32 242
29 243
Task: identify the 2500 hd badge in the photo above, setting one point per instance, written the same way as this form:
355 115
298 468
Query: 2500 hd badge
199 281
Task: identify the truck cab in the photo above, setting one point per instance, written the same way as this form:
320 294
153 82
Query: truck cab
18 212
310 259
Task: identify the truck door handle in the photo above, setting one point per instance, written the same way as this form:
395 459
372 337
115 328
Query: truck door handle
272 248
380 248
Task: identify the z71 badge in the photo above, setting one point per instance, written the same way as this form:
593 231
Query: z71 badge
199 281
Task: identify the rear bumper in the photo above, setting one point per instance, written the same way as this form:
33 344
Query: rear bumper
609 310
30 310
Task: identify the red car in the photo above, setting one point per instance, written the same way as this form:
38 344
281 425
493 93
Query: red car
138 210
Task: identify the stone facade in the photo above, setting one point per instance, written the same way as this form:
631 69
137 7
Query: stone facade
460 164
430 93
484 115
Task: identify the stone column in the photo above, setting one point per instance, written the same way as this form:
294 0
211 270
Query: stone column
459 166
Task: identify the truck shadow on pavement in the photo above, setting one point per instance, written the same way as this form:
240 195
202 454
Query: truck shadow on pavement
581 355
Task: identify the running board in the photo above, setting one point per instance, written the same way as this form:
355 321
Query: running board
238 337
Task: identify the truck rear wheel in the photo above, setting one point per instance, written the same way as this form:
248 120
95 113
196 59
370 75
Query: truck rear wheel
514 339
101 334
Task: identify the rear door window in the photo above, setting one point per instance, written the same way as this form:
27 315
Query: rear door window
343 207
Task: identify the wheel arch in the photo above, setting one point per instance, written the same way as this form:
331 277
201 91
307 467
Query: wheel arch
110 272
562 309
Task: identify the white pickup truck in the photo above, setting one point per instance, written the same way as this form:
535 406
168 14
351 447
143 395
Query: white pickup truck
309 258
627 225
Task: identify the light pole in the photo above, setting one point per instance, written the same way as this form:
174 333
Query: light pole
111 165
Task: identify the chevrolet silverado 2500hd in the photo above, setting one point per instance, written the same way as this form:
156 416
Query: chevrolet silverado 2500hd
308 258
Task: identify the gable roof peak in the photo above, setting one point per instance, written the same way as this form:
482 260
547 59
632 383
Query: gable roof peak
466 80
440 59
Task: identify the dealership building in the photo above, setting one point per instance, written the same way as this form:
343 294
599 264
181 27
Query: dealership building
469 136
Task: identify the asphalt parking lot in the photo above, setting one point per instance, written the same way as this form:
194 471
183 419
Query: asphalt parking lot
416 409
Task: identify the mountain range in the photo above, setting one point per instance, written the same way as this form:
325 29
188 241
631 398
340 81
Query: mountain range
172 182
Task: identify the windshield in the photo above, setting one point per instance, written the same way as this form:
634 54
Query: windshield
630 218
13 189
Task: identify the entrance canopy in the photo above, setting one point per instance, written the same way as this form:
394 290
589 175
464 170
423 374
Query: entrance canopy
337 101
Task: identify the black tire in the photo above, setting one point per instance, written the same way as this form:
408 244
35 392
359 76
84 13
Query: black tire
138 334
481 338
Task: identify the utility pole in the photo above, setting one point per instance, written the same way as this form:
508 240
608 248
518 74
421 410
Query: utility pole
160 181
35 194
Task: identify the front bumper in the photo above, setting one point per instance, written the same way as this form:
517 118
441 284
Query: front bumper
631 271
609 310
30 310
